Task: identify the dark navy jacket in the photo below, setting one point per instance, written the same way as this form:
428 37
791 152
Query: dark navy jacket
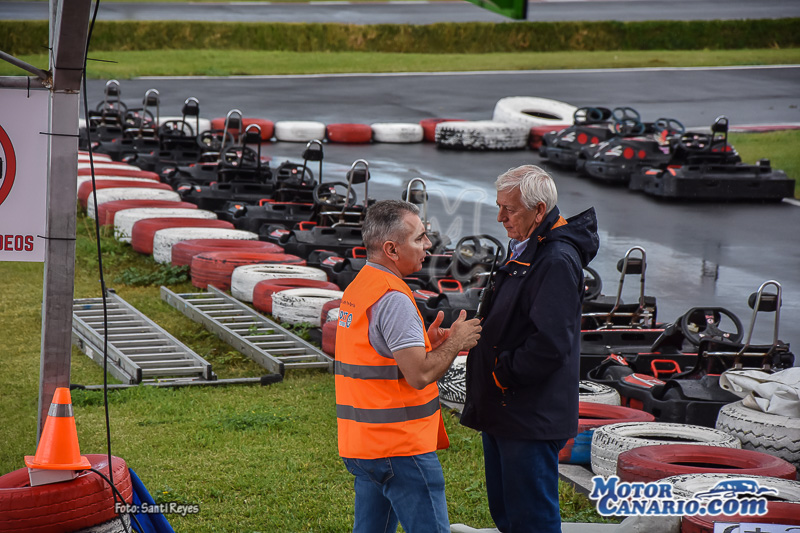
522 377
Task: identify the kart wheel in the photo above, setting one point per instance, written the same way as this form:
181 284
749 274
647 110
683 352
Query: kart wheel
610 441
109 210
124 221
531 111
165 240
481 135
429 127
143 231
763 432
128 193
783 513
597 393
687 485
396 132
183 251
299 131
216 268
244 280
349 133
297 306
703 323
651 463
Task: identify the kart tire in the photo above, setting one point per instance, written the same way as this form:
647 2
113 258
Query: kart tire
183 251
124 220
590 417
297 306
143 231
267 126
429 127
72 505
128 193
120 172
329 336
112 526
597 393
611 440
85 188
245 279
481 135
164 240
396 132
299 131
537 133
762 432
783 513
264 290
684 486
325 315
349 133
109 210
651 463
204 123
531 111
216 268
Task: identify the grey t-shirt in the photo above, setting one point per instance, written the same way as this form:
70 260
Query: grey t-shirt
394 322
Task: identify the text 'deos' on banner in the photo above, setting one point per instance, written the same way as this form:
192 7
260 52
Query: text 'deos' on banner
23 174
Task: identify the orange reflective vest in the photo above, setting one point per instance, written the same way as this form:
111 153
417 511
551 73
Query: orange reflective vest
378 413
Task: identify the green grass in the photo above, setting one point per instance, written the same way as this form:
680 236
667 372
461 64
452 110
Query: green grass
130 64
780 147
254 458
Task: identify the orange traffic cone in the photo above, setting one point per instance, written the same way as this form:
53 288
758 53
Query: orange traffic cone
58 445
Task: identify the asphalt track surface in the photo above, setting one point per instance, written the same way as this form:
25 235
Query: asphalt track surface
697 254
422 12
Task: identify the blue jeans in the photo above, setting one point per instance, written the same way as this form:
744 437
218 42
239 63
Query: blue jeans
522 483
410 489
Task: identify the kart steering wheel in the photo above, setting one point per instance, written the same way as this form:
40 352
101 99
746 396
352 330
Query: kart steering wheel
587 114
327 195
175 128
622 113
212 140
670 125
703 323
117 106
592 284
137 118
472 251
628 126
239 157
695 142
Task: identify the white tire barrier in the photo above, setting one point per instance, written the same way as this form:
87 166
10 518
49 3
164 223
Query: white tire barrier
481 135
530 111
333 314
453 385
686 485
83 157
762 432
589 391
165 239
205 124
129 193
397 132
299 130
106 165
245 278
125 219
610 441
82 179
296 306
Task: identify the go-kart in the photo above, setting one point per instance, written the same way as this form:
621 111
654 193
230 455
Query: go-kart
705 167
637 145
592 125
695 396
139 134
106 121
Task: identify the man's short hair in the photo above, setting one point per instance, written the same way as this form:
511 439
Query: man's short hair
535 185
384 222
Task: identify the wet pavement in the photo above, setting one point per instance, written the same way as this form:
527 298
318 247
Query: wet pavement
698 254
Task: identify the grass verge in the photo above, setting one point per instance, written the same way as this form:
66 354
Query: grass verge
253 458
131 64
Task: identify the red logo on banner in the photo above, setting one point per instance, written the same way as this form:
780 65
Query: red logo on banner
9 166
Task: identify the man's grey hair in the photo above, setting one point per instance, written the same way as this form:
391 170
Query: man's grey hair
384 222
535 185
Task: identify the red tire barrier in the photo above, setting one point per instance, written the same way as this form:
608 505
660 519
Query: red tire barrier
429 127
333 304
329 337
651 463
348 133
267 126
144 230
262 294
783 513
119 173
72 505
216 268
85 188
537 132
108 210
184 251
591 416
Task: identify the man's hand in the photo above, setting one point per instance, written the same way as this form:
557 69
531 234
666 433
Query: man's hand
437 335
465 333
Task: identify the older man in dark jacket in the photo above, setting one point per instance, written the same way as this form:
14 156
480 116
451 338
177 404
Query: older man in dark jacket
522 377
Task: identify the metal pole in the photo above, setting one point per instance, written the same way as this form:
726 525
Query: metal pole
68 31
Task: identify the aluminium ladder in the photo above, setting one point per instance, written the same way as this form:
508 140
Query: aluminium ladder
138 348
259 338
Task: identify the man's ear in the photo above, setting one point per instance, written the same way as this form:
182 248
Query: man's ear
390 250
